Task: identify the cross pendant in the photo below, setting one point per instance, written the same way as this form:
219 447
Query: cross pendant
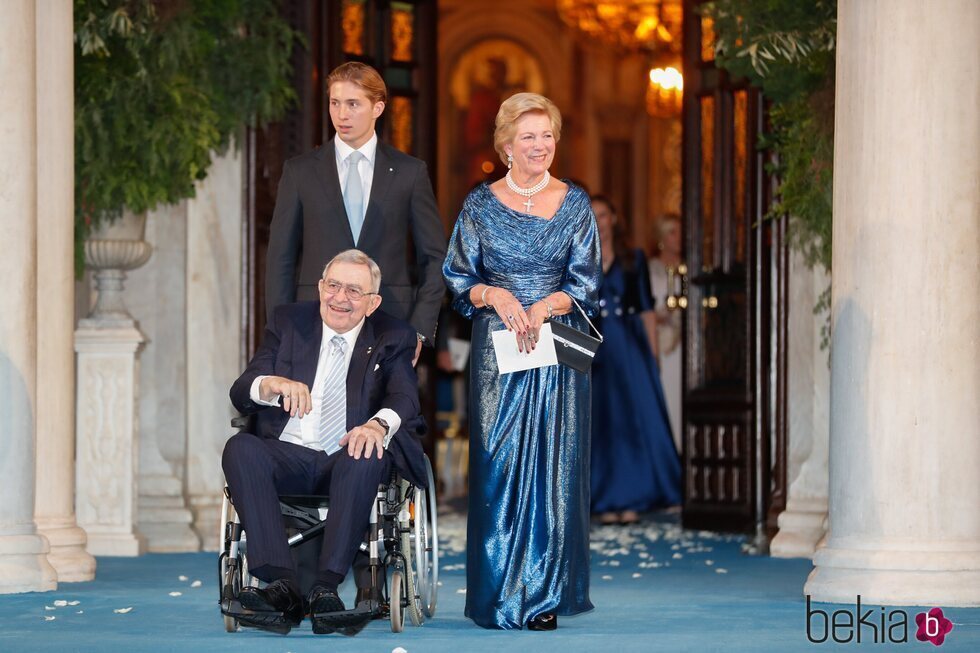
527 205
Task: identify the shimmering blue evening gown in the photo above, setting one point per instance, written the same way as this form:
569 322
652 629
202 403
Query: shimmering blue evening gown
527 548
635 465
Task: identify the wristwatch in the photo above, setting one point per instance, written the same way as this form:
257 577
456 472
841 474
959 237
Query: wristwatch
387 429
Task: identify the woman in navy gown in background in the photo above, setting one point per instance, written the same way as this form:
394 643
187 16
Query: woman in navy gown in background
635 466
522 248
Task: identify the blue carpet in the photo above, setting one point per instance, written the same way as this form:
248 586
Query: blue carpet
655 587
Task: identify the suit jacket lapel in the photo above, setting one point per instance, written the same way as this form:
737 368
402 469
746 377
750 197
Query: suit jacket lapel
359 361
384 173
307 353
336 213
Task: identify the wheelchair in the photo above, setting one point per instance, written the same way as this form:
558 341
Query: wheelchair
402 544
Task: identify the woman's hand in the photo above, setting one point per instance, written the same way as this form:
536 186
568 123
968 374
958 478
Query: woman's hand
511 313
536 316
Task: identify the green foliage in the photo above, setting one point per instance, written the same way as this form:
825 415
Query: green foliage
786 47
159 86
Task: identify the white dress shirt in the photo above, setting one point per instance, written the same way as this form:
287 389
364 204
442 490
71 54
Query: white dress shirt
303 431
365 166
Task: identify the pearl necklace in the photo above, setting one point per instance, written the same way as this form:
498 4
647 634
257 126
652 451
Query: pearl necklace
528 192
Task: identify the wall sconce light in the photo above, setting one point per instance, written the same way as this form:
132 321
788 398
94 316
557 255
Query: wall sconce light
665 92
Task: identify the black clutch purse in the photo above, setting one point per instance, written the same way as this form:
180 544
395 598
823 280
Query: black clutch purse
575 348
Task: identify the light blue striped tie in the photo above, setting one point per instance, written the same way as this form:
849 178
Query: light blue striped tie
354 195
333 399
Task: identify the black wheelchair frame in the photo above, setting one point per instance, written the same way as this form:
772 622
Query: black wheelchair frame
402 538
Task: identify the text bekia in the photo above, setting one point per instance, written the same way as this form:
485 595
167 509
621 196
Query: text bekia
845 626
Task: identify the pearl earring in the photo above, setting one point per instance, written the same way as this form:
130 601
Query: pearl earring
510 161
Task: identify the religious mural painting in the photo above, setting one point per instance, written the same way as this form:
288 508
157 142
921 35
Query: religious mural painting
486 75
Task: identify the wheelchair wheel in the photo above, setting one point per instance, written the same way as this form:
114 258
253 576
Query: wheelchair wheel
231 585
407 548
395 597
230 573
426 531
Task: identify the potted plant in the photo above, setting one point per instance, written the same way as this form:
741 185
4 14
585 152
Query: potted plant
159 87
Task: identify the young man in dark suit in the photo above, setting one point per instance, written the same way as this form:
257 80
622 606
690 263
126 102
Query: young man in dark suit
355 191
336 398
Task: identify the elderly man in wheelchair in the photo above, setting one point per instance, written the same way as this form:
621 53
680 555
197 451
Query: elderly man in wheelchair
335 398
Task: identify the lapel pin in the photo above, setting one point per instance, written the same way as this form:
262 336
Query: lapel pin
370 349
391 169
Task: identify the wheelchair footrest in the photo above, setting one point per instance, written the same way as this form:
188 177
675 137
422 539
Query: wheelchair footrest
349 622
233 608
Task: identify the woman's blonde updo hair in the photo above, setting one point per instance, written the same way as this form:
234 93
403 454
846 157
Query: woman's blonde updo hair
510 112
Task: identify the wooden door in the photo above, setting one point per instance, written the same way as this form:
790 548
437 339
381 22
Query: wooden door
733 295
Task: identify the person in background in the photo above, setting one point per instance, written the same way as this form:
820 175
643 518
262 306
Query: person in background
635 466
524 247
668 257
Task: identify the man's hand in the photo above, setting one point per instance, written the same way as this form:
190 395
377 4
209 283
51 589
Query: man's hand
364 439
295 395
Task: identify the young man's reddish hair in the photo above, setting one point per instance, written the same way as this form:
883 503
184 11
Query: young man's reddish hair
362 75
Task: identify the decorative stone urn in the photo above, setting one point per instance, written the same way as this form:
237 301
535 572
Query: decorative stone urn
110 251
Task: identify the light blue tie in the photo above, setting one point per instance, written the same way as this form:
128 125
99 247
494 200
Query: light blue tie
354 195
333 399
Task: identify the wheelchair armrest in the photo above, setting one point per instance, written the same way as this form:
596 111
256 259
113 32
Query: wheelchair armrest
244 423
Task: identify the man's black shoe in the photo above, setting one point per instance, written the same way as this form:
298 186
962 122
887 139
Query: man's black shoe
324 601
279 596
328 614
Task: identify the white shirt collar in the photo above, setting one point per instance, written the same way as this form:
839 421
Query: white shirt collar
344 150
350 337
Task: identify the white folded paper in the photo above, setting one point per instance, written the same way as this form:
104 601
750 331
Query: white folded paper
509 359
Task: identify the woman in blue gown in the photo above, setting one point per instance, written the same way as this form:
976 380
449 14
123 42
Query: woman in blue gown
635 466
522 248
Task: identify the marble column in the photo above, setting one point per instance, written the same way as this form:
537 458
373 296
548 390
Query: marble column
55 503
24 566
214 301
156 295
905 420
803 524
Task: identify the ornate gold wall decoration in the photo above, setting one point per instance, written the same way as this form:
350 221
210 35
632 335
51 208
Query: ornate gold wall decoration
401 123
402 31
707 40
352 23
635 25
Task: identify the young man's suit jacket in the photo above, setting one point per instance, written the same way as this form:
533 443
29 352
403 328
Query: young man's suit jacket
310 226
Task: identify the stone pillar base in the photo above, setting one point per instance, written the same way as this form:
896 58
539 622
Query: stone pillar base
207 521
107 449
68 555
928 575
24 566
164 520
801 527
115 544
